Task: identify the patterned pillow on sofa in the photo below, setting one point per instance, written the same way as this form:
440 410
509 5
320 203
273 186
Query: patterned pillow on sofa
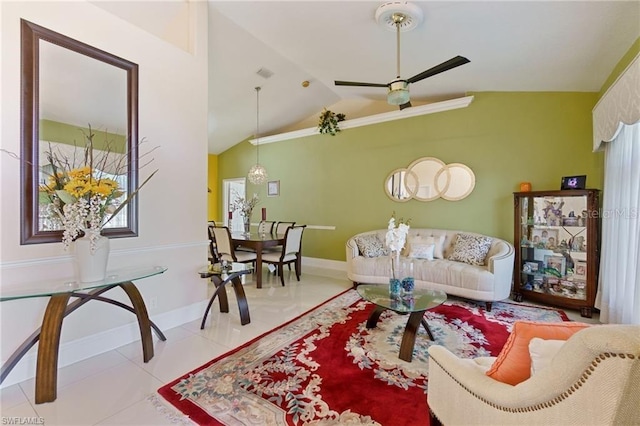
370 246
471 249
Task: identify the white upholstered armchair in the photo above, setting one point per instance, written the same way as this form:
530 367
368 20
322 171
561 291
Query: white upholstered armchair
594 379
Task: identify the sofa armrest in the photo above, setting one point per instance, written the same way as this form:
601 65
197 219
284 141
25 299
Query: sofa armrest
352 250
598 363
500 263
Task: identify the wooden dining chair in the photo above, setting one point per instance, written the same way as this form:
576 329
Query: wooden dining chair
213 250
291 252
225 248
281 227
266 226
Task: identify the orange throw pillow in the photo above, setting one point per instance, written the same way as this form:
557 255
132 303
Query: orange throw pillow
513 364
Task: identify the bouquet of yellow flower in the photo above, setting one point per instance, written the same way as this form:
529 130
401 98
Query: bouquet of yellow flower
82 196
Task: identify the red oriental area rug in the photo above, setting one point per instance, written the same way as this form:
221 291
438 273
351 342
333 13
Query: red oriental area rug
327 368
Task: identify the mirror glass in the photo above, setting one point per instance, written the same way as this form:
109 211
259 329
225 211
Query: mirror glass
426 169
69 87
401 185
455 181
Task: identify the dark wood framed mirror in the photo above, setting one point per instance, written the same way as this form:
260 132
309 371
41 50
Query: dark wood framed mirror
68 84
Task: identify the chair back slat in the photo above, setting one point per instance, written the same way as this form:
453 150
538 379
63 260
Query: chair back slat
281 227
293 240
266 226
213 249
223 243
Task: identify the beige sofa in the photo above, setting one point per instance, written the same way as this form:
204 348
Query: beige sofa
489 282
593 379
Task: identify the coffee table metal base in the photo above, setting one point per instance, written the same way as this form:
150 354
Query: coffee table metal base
409 337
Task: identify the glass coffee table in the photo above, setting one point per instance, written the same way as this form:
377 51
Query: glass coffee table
221 275
415 305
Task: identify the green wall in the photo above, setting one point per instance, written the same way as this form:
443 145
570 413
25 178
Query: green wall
505 138
55 131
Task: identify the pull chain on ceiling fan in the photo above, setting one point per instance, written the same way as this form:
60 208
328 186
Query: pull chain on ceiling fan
403 15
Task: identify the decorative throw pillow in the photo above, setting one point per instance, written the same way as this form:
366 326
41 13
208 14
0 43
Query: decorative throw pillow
513 364
438 242
471 249
542 352
370 245
421 251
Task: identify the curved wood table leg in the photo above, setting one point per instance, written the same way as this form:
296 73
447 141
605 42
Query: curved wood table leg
375 315
243 306
144 323
426 327
219 290
47 365
409 336
223 301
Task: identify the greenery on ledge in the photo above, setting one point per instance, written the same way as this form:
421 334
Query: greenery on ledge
328 122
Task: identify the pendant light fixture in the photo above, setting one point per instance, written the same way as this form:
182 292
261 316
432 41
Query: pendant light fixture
257 173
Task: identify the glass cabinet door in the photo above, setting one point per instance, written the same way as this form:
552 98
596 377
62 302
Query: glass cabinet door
553 245
557 235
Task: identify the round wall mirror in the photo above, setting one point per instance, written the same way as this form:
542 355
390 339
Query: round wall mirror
427 179
401 185
426 169
455 181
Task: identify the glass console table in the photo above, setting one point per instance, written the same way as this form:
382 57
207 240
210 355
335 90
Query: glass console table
415 305
59 307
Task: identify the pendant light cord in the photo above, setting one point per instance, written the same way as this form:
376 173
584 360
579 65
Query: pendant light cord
258 125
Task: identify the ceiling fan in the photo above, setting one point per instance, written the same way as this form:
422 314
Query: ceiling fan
405 16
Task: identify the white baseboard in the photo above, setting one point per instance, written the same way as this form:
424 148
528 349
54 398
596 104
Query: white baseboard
337 265
96 344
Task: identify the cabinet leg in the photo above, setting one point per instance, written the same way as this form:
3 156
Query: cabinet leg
586 312
517 297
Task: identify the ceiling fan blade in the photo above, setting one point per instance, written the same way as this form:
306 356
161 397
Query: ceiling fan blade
405 105
445 66
355 83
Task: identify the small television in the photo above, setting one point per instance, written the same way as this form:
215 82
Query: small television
573 182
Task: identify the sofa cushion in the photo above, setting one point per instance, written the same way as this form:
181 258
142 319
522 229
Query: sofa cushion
370 245
421 251
513 364
437 241
542 352
471 249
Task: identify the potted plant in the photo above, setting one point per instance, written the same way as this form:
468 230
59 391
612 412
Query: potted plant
328 122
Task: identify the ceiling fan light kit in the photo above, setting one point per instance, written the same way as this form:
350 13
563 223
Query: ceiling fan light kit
403 16
398 92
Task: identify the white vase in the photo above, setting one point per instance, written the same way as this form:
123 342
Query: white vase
91 265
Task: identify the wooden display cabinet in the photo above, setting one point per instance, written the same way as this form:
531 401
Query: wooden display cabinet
557 239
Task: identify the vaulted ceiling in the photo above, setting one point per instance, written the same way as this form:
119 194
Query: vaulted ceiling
512 46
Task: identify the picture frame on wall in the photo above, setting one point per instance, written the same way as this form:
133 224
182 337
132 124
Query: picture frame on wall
273 188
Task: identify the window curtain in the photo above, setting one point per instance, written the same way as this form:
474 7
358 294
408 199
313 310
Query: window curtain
616 130
618 295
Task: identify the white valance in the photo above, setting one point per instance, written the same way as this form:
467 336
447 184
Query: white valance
619 105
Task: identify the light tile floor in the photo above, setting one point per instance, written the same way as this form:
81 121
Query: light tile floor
117 388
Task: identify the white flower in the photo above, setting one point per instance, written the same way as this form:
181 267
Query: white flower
245 207
396 236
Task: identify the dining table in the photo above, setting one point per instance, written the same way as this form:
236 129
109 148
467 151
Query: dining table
257 241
